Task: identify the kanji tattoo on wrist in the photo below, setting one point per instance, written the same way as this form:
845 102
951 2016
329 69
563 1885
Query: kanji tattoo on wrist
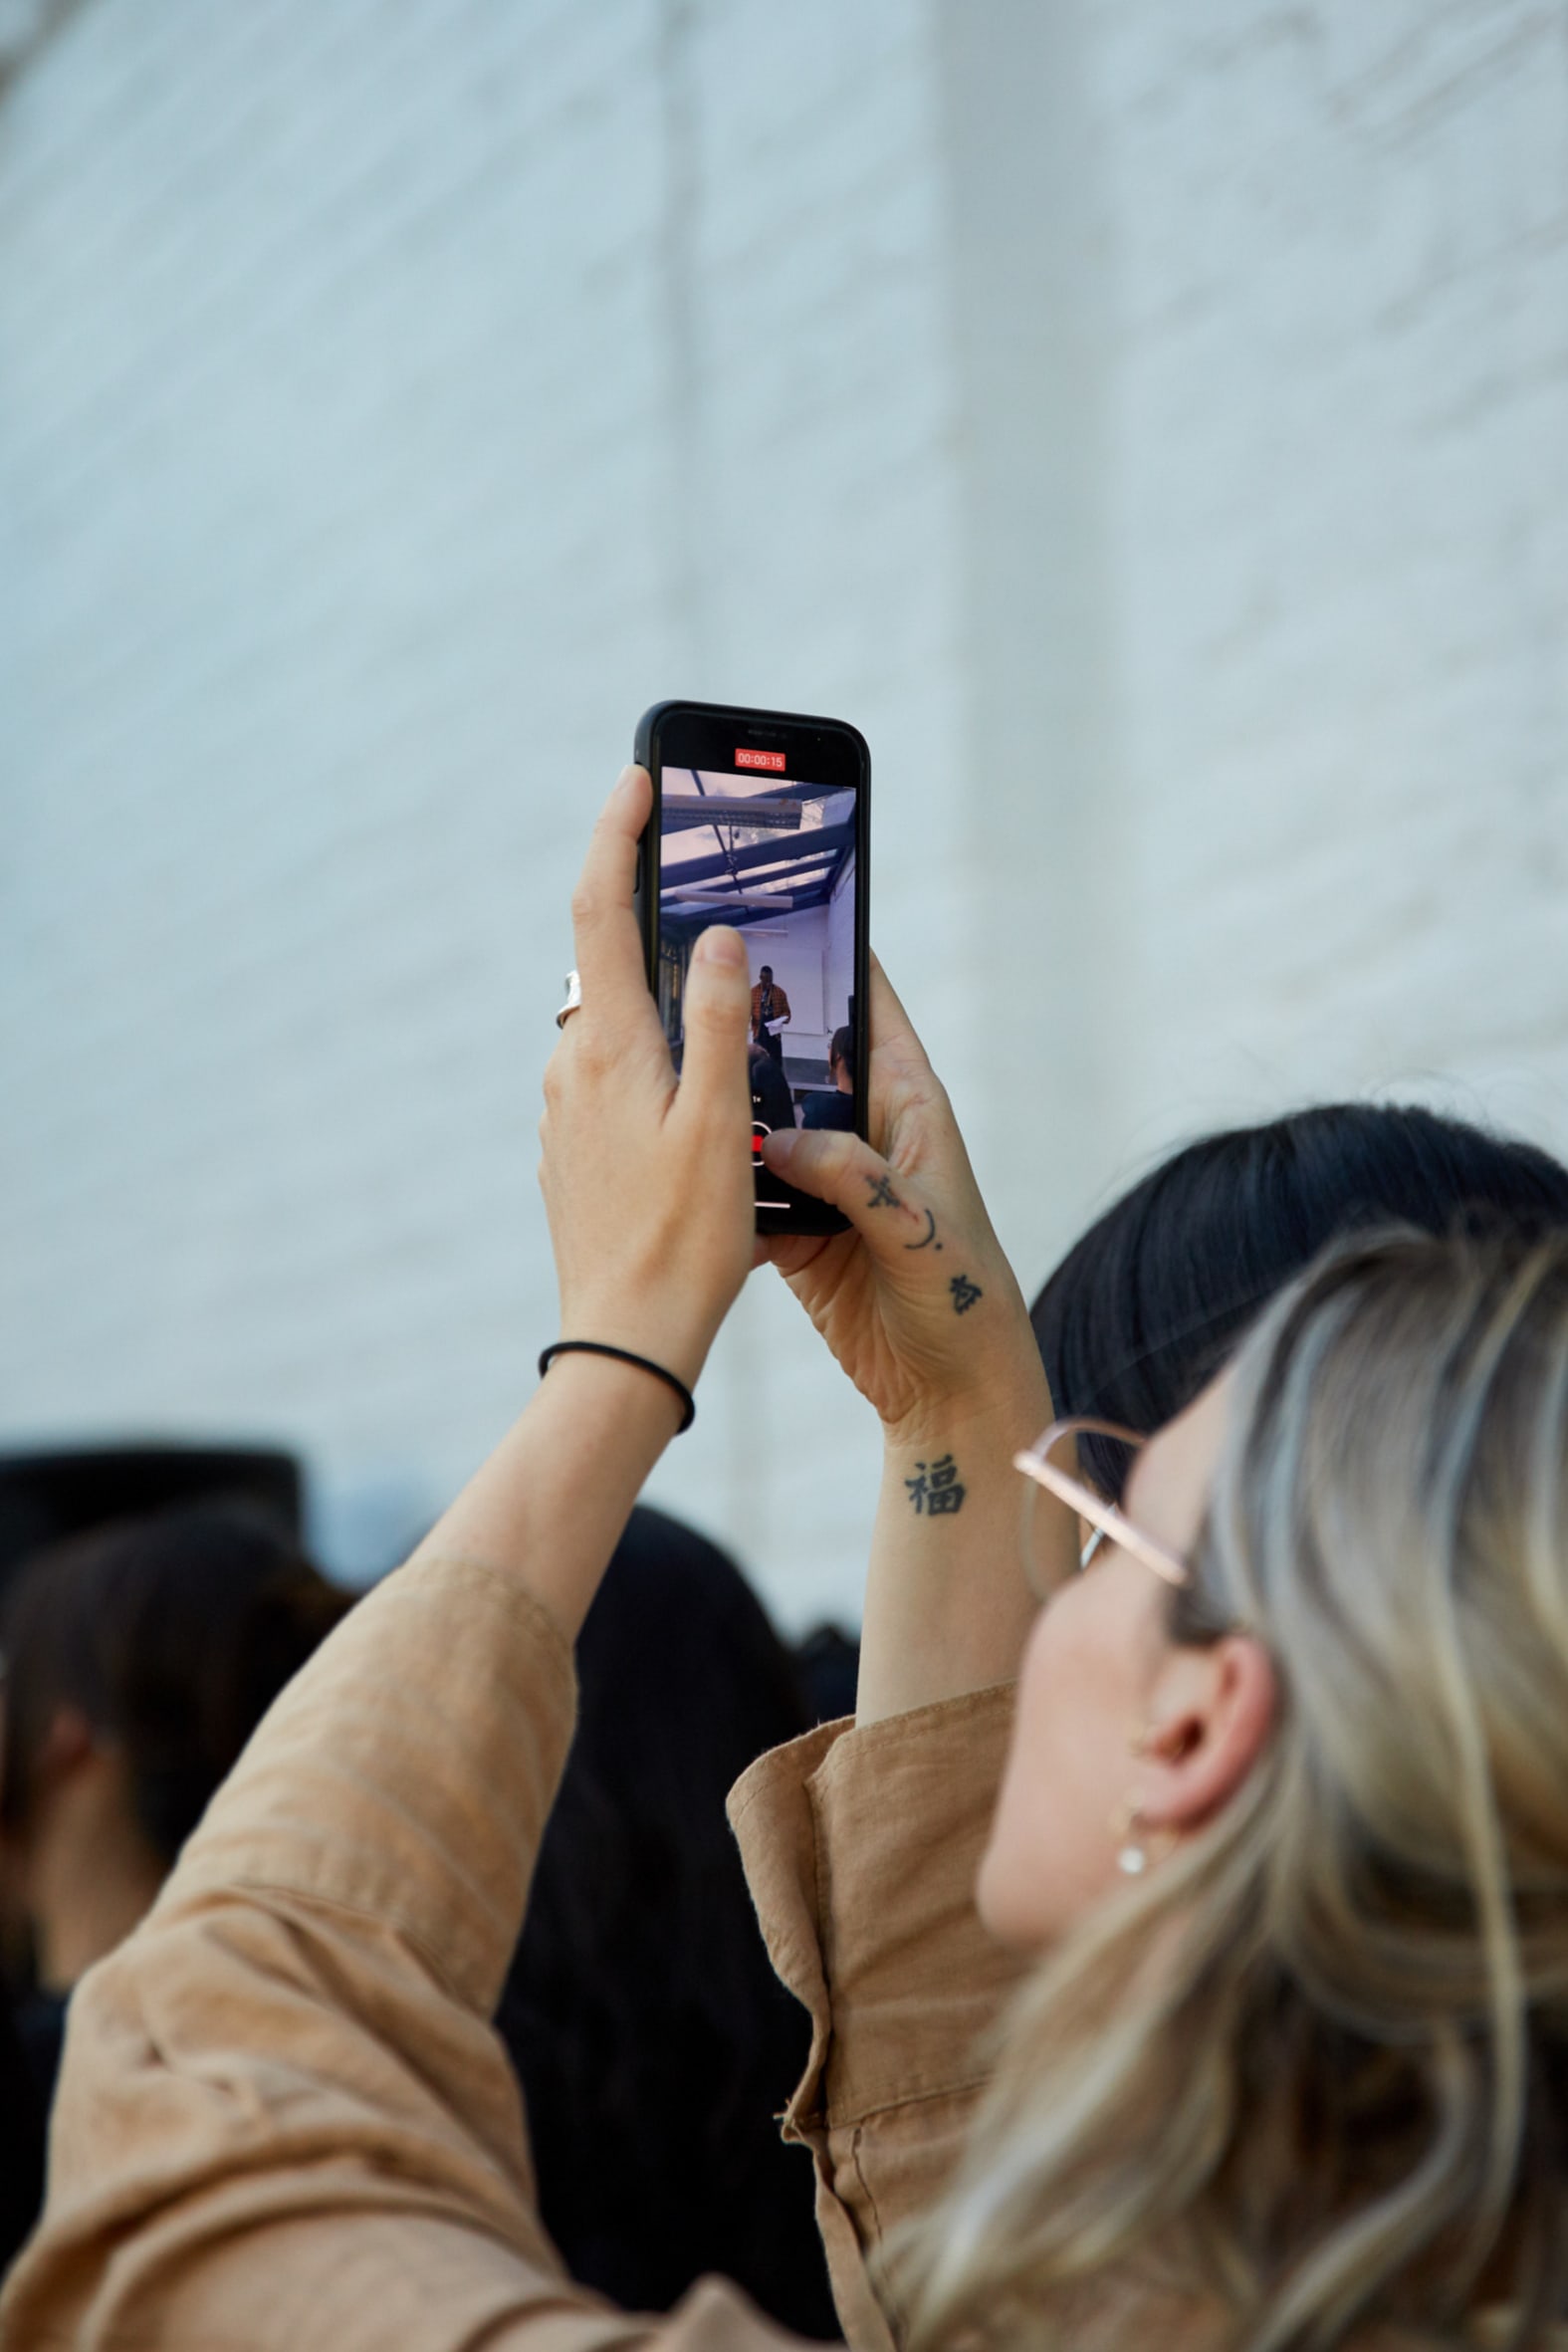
965 1293
935 1489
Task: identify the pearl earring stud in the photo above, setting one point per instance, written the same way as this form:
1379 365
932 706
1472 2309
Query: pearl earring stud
1132 1860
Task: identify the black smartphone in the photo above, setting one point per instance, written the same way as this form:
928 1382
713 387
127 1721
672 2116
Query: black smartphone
762 820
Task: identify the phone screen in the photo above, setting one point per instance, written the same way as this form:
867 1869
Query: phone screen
776 851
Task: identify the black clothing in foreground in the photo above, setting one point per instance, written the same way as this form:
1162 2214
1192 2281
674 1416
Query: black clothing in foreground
22 2113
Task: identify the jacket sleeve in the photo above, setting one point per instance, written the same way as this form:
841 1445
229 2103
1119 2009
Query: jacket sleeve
284 2120
861 1848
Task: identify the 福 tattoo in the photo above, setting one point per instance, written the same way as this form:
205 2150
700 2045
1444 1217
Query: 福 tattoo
936 1490
882 1194
965 1293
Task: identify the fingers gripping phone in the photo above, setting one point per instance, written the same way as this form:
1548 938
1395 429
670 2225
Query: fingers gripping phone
762 820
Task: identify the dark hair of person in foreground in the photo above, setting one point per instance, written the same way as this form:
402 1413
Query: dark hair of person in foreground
654 2044
1149 1303
143 1654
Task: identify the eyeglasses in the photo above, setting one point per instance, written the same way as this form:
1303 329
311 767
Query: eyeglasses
1053 1464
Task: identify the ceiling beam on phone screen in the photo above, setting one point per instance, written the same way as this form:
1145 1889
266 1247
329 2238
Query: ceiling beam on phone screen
826 848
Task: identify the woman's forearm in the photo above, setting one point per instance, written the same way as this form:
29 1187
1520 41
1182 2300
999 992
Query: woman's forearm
549 1503
948 1607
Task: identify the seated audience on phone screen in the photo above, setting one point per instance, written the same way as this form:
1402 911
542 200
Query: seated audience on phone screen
836 1110
139 1660
1155 1296
654 2044
772 1102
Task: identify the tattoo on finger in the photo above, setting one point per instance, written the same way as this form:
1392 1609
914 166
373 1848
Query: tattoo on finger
882 1194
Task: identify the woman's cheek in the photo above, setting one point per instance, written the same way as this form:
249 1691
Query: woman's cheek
1007 1890
1015 1891
1051 1853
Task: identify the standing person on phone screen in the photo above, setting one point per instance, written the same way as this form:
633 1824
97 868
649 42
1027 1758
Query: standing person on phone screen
769 1004
836 1110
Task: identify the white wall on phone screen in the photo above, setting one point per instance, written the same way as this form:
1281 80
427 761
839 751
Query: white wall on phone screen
1141 423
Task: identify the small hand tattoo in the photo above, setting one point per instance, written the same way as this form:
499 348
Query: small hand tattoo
928 1236
936 1490
965 1293
882 1194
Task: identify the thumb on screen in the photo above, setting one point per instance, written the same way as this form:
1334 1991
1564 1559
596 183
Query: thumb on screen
716 1017
832 1166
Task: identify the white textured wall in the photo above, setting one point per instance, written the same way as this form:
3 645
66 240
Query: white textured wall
1262 365
1340 538
1149 423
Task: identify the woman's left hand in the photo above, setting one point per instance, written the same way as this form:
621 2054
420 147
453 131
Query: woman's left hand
647 1183
917 1301
921 1308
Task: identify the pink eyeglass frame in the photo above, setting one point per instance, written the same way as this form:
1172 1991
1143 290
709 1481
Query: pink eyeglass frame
1113 1523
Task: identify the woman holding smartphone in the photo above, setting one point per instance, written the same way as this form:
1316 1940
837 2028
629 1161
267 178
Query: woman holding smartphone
1274 1894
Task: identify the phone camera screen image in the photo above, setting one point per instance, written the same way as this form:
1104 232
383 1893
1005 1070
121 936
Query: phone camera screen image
775 854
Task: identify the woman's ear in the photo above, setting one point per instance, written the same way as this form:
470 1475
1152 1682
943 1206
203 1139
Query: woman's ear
1212 1710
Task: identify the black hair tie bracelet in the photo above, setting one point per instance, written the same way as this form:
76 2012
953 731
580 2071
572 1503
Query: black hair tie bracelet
623 1355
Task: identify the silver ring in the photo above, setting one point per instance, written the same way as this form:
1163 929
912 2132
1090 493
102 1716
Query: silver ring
574 1003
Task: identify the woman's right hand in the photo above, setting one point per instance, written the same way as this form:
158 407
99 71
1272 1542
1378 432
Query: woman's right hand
917 1301
647 1184
649 1194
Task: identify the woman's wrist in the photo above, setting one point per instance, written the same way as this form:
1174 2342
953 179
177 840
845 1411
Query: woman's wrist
947 1606
625 1355
674 1342
1009 1406
648 1410
956 1463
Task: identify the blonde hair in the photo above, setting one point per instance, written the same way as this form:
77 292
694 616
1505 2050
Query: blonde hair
1313 2071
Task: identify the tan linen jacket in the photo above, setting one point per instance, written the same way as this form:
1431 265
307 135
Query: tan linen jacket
283 2119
